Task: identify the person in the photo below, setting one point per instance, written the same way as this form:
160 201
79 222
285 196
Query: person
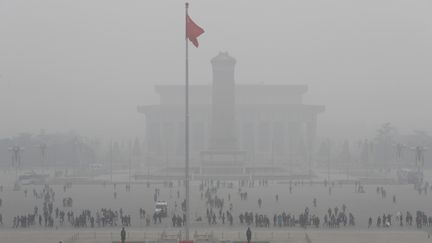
123 235
248 235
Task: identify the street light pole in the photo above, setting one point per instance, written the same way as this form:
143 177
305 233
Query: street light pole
130 162
16 158
328 160
111 162
272 153
43 148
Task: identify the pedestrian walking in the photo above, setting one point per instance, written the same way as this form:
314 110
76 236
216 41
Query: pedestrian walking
123 235
248 235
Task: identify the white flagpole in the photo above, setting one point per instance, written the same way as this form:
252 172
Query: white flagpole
187 126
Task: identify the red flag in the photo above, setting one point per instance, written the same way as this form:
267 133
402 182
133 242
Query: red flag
193 31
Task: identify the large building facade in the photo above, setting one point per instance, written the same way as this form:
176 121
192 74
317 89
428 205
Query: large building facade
259 123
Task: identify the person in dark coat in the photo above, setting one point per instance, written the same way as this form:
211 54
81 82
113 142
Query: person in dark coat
248 235
123 235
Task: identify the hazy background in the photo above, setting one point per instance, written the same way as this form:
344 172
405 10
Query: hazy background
85 65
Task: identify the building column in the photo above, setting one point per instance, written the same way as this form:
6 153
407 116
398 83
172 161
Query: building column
311 127
310 141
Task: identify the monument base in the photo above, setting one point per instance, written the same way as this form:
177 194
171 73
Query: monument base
223 162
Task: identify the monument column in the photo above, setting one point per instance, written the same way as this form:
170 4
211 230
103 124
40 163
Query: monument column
223 126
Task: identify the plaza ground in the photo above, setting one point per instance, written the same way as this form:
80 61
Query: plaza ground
97 196
272 236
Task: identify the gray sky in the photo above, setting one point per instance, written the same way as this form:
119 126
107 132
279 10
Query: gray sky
85 64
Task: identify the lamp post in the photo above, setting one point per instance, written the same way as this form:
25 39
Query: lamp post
419 157
272 153
111 161
328 151
399 152
419 160
130 163
16 158
43 147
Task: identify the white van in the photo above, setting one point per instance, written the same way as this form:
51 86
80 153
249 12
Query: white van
161 208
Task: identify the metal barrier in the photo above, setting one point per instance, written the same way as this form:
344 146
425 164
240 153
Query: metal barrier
205 237
74 238
170 238
173 236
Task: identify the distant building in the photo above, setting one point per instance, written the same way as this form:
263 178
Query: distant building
260 122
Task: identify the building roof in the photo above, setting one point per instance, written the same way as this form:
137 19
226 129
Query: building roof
239 108
286 89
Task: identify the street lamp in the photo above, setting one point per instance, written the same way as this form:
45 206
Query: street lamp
399 152
328 152
419 160
43 147
111 161
16 157
419 156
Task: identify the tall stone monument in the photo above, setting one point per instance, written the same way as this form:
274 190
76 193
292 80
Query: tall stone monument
223 155
223 125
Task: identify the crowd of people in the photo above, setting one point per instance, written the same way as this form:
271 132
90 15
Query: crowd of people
385 221
218 198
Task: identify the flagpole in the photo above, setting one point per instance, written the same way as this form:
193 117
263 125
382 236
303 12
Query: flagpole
187 124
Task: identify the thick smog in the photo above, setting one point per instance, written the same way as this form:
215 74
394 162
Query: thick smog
215 121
